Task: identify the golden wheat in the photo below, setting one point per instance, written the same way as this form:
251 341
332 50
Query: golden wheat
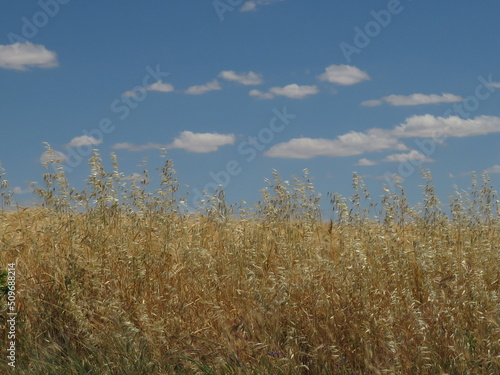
117 280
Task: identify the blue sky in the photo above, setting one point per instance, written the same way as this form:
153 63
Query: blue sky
234 89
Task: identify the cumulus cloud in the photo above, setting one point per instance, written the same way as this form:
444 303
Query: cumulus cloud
349 144
261 95
84 140
493 169
20 56
202 89
428 126
201 142
19 190
404 157
375 139
136 148
157 86
250 78
414 99
160 87
366 162
371 103
133 93
292 91
251 6
417 99
56 156
187 140
343 75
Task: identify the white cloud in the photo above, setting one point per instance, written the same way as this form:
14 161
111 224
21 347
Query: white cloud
375 139
343 75
19 190
429 126
250 6
20 56
414 99
157 86
201 142
494 169
371 103
494 84
366 162
54 156
412 155
132 93
161 87
261 95
293 91
84 140
202 89
187 140
136 148
353 143
249 78
417 99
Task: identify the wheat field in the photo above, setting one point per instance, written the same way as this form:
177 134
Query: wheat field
120 279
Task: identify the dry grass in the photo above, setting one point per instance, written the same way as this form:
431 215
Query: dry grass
115 281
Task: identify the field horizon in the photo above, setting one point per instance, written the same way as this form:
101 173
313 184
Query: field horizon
116 280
